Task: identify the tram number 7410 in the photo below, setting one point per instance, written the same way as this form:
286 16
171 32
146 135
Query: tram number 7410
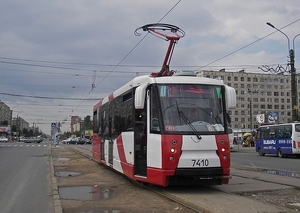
200 162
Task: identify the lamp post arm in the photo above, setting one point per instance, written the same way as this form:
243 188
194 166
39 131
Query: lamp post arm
294 41
271 25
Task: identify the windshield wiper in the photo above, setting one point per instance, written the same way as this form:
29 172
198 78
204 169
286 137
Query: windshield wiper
186 120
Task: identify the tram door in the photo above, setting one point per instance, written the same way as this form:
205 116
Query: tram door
140 144
110 152
110 143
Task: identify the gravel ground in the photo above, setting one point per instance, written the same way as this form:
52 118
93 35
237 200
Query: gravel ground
122 195
125 197
285 197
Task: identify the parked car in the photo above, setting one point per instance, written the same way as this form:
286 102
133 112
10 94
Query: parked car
39 139
32 140
65 141
76 141
21 139
87 140
3 139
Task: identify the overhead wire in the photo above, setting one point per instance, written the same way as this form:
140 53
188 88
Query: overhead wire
95 85
243 47
135 46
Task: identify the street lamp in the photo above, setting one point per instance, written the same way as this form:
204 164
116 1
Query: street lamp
18 124
293 74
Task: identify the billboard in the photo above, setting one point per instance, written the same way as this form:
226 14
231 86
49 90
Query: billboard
88 133
272 117
260 118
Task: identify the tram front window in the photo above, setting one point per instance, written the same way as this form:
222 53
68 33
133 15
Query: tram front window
198 105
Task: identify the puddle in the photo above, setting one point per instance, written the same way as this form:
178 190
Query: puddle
283 173
60 159
67 174
85 193
60 168
103 211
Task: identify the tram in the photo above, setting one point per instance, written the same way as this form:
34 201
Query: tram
166 128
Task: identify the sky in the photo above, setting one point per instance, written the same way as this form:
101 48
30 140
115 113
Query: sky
52 52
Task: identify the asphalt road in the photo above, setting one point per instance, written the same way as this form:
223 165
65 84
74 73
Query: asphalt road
247 156
24 178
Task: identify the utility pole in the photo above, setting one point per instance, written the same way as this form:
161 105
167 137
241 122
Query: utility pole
294 87
294 92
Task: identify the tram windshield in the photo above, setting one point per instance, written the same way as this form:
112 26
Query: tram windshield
187 108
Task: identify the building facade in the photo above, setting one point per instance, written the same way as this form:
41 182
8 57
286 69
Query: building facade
261 98
20 124
5 113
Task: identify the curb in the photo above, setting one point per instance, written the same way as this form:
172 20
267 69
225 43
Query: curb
56 197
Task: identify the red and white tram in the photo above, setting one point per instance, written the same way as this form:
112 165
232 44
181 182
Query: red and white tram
166 129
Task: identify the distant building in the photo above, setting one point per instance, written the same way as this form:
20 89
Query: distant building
20 124
268 96
5 113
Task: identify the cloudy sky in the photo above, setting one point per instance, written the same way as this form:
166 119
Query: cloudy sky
53 51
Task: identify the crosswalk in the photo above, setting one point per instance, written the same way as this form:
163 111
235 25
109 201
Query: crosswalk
24 145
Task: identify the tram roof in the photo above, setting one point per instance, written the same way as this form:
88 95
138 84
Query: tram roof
177 79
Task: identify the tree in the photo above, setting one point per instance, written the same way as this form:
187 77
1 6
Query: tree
13 128
87 123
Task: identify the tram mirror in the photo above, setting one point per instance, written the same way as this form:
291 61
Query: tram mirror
139 99
230 97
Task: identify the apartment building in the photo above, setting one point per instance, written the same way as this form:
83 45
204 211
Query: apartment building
5 113
20 123
261 97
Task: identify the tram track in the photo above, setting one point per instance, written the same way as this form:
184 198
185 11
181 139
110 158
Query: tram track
166 195
149 187
192 193
239 192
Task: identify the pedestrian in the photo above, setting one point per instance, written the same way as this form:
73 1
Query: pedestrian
55 140
234 141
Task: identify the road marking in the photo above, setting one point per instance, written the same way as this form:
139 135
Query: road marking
21 145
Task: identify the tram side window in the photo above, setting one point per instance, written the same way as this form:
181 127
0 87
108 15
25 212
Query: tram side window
115 114
154 112
103 122
96 121
121 112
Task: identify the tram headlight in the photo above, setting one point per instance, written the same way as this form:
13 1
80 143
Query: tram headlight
173 150
225 157
171 158
223 149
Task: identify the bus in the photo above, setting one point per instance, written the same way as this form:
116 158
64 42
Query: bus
280 139
166 128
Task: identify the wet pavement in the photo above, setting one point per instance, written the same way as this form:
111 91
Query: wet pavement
66 174
94 193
